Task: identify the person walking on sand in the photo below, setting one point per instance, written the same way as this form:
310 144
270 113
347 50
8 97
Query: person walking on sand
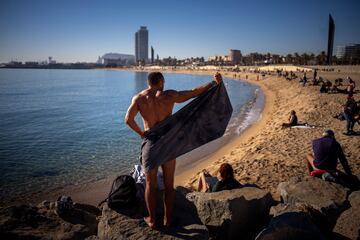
155 105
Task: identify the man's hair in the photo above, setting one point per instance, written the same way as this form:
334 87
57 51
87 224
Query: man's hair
154 78
328 133
226 171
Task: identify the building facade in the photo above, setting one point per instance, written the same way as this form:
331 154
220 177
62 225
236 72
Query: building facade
235 56
142 45
349 54
117 59
340 52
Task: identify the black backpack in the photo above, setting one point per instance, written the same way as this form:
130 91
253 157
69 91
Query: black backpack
122 193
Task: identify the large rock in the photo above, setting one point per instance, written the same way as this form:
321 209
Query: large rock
126 223
41 222
327 200
233 214
348 224
291 225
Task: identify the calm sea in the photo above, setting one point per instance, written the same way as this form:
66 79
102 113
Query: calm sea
62 127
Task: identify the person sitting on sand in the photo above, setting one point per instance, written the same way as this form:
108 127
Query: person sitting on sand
208 183
327 151
351 86
293 120
304 79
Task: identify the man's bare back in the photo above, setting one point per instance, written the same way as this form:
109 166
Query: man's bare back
154 104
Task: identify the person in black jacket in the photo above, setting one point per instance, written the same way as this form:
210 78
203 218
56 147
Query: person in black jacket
208 183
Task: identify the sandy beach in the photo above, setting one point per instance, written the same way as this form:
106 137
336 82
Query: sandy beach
264 154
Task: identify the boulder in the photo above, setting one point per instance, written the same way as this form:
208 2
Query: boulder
128 224
233 214
348 224
286 208
325 199
41 222
291 225
354 199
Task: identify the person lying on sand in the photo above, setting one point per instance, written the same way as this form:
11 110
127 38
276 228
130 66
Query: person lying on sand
293 120
327 151
208 183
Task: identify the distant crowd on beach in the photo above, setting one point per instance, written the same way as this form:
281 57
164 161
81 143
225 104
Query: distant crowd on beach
327 151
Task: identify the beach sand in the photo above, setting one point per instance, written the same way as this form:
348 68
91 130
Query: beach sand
264 154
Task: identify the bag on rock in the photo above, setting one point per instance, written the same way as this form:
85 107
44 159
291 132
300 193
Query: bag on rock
122 193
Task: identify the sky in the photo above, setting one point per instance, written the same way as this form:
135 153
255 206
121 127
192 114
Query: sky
82 30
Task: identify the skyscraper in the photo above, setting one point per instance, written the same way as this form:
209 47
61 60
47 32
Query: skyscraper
152 55
142 45
330 40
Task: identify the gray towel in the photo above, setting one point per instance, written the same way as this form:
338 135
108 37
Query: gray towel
202 120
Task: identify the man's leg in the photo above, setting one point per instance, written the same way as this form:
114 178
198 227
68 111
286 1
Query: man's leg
150 196
348 122
168 173
310 162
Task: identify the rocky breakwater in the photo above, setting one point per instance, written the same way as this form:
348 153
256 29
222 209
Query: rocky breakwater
310 209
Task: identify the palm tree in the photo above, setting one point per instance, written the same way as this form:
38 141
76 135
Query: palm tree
289 58
296 58
304 58
321 58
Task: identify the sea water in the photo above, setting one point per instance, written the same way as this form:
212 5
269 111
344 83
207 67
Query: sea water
66 127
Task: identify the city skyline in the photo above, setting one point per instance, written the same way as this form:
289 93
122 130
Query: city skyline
72 31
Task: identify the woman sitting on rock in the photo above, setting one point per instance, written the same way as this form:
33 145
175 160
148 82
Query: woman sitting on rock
208 183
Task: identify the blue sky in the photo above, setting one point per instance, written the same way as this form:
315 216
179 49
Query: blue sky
79 30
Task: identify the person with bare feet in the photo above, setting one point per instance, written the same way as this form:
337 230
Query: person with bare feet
155 105
327 151
208 183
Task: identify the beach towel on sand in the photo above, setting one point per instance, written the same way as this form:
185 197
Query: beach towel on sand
202 120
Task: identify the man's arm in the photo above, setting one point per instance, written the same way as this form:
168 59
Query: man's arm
344 161
130 117
183 96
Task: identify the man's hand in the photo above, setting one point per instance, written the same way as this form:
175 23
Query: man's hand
218 78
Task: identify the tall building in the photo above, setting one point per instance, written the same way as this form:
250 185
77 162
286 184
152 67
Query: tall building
152 55
142 45
235 56
330 40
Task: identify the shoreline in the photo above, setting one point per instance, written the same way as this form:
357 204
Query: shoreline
94 191
263 154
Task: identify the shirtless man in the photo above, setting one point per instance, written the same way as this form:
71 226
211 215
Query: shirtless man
156 104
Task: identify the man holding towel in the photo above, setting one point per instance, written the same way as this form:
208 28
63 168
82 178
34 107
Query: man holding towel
163 132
